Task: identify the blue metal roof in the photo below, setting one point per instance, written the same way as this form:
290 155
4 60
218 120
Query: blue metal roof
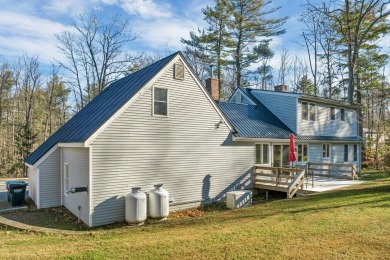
83 124
254 121
257 121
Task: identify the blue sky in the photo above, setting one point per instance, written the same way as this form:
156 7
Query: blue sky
28 25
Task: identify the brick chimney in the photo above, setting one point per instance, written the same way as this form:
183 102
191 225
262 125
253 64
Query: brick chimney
281 88
212 87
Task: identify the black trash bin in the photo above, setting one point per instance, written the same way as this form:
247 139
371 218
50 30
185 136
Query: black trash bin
16 192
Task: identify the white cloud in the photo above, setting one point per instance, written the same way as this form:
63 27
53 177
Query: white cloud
25 33
144 8
162 33
71 7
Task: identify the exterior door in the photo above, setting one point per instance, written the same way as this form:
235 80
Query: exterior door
281 155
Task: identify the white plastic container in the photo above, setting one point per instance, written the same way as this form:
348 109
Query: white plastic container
135 206
158 202
238 199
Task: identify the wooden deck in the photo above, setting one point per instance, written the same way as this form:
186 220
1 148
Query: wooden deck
333 170
291 180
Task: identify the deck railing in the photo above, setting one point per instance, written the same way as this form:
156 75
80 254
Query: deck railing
283 179
334 170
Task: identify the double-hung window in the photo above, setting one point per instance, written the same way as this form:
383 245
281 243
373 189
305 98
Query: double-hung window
345 153
308 111
326 150
312 111
160 101
302 152
342 114
305 110
355 152
332 113
262 154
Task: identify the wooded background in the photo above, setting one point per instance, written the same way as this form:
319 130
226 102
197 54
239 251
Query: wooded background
344 62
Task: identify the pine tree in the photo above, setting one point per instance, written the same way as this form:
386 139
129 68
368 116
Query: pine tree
217 37
305 85
250 30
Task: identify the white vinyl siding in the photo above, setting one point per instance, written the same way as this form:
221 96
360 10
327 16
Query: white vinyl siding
78 165
323 126
66 178
239 97
33 191
50 181
195 161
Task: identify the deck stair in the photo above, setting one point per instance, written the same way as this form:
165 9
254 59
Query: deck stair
292 179
289 180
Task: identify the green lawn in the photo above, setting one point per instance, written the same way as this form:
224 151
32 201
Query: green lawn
349 223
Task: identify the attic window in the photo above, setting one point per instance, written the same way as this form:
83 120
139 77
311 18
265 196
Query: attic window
179 71
160 101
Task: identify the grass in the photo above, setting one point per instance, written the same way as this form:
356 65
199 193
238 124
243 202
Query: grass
350 223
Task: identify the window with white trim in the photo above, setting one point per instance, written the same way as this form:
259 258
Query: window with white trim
325 150
308 111
262 154
305 110
160 101
302 152
312 107
342 114
355 152
332 113
346 153
66 178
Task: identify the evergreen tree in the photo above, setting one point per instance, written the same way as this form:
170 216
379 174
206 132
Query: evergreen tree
196 52
217 37
305 85
250 29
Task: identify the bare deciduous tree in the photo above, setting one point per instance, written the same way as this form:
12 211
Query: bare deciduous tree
94 52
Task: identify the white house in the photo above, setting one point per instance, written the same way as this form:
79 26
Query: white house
325 130
160 125
157 125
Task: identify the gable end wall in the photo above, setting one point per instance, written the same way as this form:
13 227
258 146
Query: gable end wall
195 161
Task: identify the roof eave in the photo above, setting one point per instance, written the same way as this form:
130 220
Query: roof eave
329 101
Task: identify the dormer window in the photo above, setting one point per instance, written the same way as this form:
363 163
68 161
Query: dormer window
332 113
160 101
342 114
308 111
305 110
312 107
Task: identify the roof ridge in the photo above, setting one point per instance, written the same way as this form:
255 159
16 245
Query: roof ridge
253 98
100 109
